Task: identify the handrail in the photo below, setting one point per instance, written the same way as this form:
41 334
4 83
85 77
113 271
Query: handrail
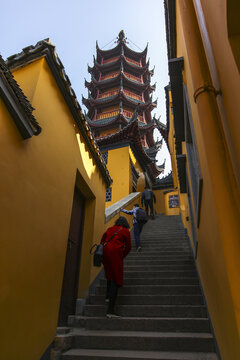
114 209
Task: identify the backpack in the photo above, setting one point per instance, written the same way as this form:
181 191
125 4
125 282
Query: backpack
141 216
147 194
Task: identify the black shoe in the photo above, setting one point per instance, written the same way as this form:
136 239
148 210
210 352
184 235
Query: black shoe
139 248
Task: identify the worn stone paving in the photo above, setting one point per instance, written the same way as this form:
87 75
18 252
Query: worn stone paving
161 304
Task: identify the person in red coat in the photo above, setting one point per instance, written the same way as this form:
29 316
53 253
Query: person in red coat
115 250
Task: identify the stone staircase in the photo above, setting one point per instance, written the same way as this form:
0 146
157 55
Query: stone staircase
162 307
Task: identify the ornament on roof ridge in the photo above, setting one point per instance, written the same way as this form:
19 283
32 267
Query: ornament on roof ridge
121 37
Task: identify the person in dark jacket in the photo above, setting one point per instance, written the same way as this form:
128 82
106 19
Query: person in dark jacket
137 227
115 251
148 197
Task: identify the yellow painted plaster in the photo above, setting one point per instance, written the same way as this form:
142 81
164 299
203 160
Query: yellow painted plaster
118 166
160 202
218 257
37 183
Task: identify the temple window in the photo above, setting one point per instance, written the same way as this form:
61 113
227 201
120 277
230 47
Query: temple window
105 156
109 194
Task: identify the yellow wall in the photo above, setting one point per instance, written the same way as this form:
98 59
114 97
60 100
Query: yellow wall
216 128
141 179
160 202
37 183
118 166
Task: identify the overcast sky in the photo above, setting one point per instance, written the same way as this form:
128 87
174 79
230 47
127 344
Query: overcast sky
74 26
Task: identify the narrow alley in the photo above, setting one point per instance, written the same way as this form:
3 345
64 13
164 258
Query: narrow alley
162 309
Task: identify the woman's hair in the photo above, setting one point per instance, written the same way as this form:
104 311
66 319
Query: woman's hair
122 221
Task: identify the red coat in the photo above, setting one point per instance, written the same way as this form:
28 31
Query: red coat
114 252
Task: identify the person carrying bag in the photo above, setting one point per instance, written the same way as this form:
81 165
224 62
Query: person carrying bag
116 242
98 253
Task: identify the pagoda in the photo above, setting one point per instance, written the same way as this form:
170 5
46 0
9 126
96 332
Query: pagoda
119 108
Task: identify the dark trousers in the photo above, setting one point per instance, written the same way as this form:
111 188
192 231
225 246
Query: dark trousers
112 291
149 204
137 228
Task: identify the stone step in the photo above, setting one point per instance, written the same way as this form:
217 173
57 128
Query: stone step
163 281
96 354
150 300
161 304
144 255
140 340
159 267
155 290
160 247
143 324
141 256
164 238
159 274
152 252
143 262
189 311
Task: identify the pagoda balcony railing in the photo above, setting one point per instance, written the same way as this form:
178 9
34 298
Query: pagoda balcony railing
113 113
132 95
109 76
110 60
107 94
132 77
133 61
129 114
107 114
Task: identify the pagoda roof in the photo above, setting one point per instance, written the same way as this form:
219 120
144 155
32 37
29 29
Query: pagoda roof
90 102
117 50
153 150
107 122
121 58
108 53
157 169
115 81
47 50
163 183
135 54
130 134
17 103
146 127
162 128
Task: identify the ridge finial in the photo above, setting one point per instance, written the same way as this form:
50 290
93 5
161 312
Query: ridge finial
121 37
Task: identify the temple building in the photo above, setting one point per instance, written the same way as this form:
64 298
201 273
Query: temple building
202 106
119 107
